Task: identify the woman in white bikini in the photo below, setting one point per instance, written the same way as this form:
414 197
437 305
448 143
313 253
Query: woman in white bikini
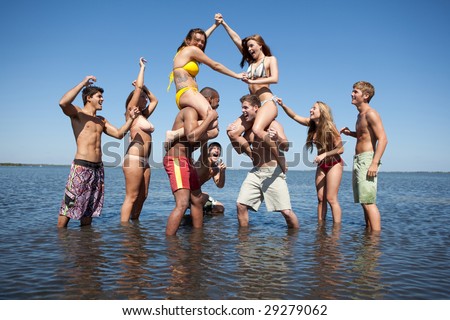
261 73
136 168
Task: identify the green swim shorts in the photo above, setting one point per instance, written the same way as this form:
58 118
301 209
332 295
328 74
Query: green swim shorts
364 188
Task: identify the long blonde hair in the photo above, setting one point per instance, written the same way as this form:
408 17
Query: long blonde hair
325 131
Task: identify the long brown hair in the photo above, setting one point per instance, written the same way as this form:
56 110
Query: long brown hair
190 35
246 57
325 131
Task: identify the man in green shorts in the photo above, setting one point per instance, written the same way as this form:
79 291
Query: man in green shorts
266 181
371 142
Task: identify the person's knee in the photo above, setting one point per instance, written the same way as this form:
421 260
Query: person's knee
241 208
182 204
132 196
259 132
62 221
232 134
85 221
332 200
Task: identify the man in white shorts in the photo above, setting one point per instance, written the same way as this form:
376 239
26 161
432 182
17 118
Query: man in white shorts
266 181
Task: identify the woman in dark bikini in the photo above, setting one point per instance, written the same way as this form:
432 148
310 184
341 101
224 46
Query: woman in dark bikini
136 168
323 134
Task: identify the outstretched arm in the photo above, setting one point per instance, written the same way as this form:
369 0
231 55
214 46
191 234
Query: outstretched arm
302 120
201 57
114 132
66 101
348 132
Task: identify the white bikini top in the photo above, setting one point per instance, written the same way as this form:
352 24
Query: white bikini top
258 72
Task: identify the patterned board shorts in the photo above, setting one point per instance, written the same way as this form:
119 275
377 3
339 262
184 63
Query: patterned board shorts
84 193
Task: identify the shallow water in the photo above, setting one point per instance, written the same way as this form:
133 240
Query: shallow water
408 260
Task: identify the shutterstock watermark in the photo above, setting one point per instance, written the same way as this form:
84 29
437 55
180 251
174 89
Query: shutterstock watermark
114 152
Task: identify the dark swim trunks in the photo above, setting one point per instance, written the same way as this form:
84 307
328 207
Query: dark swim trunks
84 191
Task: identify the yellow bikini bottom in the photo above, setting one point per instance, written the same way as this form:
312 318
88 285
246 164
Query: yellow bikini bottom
180 93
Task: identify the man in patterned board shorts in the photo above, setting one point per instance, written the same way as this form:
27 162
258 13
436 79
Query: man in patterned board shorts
83 196
266 181
182 175
371 141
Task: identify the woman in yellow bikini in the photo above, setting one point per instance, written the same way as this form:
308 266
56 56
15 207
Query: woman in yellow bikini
261 73
136 168
185 68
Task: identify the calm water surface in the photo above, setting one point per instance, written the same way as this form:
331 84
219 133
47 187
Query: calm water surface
408 260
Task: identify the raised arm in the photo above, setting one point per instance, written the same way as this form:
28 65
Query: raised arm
302 120
211 29
147 112
66 101
138 85
231 33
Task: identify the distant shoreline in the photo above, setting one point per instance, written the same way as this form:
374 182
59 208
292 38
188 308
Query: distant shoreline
11 164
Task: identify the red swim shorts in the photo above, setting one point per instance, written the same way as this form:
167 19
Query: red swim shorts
181 172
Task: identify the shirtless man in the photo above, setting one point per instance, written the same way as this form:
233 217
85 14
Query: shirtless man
183 177
209 165
371 142
83 197
266 181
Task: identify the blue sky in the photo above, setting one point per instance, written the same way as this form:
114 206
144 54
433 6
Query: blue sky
402 47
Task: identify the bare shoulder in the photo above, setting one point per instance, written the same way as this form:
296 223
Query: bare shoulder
373 116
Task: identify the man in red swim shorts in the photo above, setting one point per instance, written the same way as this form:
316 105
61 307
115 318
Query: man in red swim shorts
182 175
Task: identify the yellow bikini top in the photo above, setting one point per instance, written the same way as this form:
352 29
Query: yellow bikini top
191 67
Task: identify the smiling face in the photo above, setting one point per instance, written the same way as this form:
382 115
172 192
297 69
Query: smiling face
96 100
249 111
358 97
198 40
254 49
314 112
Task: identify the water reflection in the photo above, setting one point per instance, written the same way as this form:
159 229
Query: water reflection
366 280
264 264
327 263
186 263
82 270
134 277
